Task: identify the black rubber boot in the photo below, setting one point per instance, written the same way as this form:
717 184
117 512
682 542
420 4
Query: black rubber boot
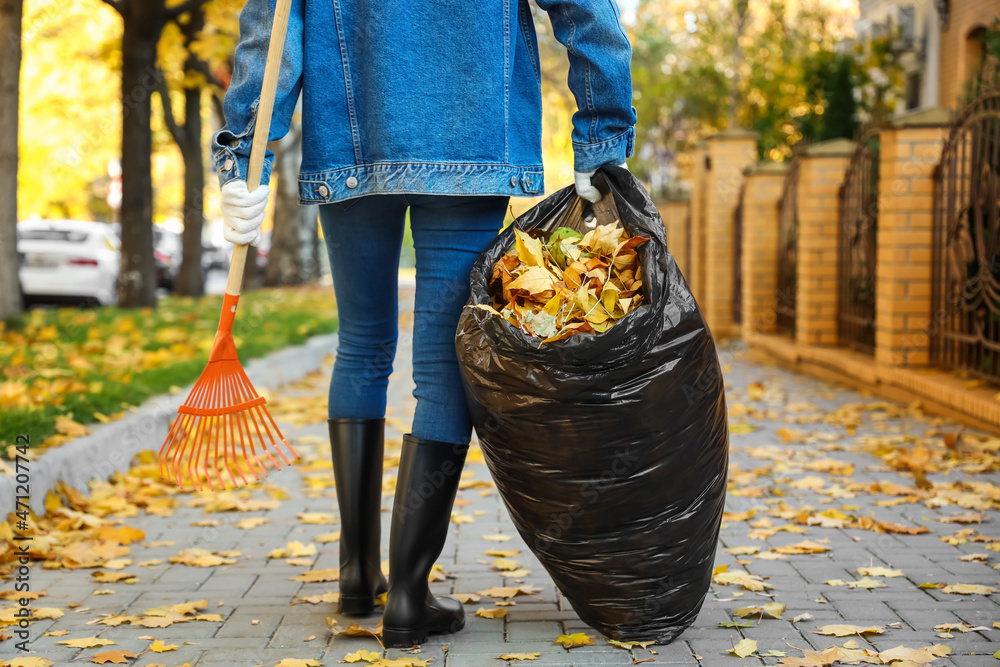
356 446
429 472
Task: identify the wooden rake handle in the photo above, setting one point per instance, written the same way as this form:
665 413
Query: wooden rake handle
261 129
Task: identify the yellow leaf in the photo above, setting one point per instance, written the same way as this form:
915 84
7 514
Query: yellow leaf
771 610
509 591
742 551
299 662
969 589
574 640
86 642
33 661
744 648
519 656
317 518
628 646
879 572
919 656
293 550
313 576
805 547
506 564
358 656
750 582
502 553
496 612
534 280
529 250
498 538
70 428
159 647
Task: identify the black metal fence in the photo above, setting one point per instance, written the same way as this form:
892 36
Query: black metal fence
858 233
788 238
965 329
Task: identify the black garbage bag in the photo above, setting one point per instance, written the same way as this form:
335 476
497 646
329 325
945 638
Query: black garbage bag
609 450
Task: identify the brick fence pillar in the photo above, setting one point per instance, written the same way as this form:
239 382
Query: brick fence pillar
909 151
699 195
820 176
729 153
675 211
760 246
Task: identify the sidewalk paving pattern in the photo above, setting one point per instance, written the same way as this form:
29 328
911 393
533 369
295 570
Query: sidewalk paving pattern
775 476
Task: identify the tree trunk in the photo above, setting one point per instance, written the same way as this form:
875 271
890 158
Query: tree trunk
251 272
293 258
10 69
143 22
190 278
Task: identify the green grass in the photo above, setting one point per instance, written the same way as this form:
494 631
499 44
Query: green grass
87 363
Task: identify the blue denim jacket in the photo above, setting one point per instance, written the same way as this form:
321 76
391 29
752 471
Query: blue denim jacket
427 96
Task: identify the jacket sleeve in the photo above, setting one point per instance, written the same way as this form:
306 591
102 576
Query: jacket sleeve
231 145
599 77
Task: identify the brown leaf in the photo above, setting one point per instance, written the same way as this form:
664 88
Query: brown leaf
117 657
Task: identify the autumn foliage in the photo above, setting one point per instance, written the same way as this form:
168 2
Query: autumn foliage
553 286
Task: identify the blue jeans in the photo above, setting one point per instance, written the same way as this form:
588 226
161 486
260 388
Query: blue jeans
363 238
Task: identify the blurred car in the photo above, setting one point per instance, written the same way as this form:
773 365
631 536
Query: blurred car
215 256
68 260
168 250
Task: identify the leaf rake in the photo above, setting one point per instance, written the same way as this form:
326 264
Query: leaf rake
223 411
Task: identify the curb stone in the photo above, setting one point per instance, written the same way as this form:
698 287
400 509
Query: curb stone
110 447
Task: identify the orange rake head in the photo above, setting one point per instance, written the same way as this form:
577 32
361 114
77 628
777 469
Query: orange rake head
222 412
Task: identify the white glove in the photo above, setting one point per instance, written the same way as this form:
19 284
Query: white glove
585 188
243 212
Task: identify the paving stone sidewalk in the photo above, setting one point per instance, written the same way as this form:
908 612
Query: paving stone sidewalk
261 627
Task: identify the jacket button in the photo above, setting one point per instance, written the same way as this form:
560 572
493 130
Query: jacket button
227 165
352 182
513 181
323 191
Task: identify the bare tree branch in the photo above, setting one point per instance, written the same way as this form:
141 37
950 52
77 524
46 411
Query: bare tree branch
176 11
176 131
116 5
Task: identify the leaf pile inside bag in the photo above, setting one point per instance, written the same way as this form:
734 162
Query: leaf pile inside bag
553 286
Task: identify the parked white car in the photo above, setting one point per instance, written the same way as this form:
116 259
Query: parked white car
68 260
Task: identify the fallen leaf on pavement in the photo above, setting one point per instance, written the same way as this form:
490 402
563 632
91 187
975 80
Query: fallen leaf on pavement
769 610
628 646
919 656
744 648
848 630
969 589
574 640
879 572
86 642
959 627
750 582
